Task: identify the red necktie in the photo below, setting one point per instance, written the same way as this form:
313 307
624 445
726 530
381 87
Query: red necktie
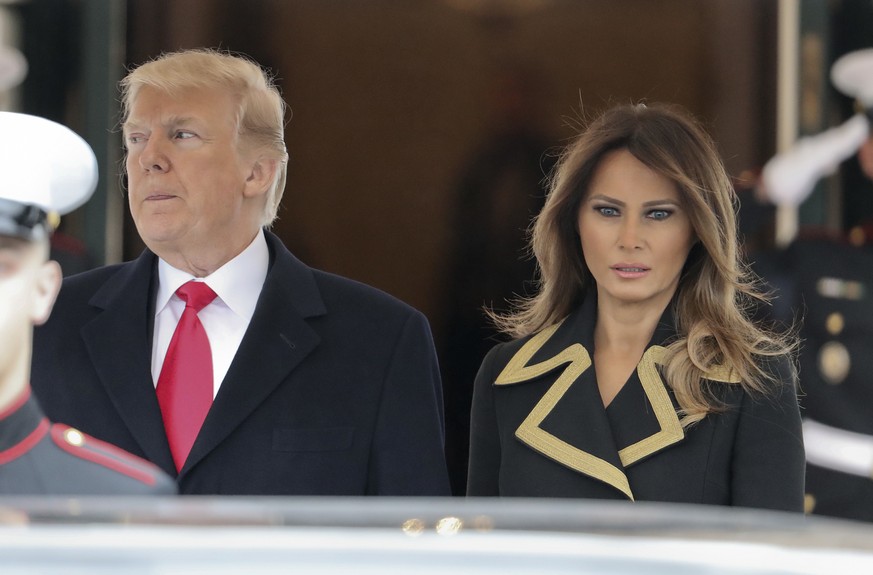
185 384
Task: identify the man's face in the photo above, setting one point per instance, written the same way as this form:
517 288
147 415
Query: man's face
191 190
28 287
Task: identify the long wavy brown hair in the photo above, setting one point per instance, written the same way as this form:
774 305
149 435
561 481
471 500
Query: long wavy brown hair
713 303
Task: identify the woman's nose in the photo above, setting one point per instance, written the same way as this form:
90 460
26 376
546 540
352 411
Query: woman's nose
629 235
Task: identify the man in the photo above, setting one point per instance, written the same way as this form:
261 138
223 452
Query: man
827 282
316 384
46 168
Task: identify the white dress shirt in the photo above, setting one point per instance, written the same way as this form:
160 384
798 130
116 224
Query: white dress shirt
237 284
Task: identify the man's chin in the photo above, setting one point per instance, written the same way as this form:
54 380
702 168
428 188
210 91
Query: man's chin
160 239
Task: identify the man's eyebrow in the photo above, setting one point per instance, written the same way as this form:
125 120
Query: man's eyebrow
170 122
179 120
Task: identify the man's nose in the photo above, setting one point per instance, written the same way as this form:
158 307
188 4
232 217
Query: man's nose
153 157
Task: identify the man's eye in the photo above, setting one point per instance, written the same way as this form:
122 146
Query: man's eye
135 138
182 135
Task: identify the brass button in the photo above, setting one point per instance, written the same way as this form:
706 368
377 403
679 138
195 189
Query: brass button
834 362
835 323
74 437
809 503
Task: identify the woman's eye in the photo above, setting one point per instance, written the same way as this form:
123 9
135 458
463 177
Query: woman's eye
606 211
660 214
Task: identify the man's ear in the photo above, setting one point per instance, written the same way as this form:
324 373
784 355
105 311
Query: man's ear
261 176
47 284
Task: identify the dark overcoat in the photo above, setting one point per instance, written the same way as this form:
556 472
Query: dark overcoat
334 390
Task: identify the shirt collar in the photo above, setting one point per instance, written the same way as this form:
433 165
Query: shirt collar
237 283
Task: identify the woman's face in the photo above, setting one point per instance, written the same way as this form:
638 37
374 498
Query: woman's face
635 233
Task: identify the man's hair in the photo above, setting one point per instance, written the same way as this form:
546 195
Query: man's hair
261 116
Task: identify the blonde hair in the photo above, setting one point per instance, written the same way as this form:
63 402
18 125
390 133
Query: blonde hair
261 115
713 302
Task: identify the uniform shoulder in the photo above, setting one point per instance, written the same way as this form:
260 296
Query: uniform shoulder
112 460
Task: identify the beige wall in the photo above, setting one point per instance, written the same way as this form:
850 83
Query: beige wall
390 97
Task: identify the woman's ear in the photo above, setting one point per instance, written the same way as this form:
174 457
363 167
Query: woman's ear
47 284
261 176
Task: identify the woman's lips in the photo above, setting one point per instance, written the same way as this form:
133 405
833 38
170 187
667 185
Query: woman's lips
630 271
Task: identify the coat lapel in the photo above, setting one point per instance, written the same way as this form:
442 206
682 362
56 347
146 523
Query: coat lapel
668 429
557 354
276 341
585 439
119 343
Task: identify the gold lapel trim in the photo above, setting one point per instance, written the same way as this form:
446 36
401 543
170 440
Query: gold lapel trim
530 431
517 370
723 374
656 391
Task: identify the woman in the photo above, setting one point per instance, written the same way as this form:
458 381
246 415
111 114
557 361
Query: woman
636 372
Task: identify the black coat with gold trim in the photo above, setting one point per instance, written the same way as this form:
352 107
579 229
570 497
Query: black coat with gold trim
539 428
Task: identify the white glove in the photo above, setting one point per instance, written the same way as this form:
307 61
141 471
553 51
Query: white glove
788 178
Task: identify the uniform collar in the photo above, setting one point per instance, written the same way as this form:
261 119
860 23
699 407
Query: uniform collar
22 425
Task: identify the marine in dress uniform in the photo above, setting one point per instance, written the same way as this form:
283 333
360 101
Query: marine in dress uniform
827 282
46 169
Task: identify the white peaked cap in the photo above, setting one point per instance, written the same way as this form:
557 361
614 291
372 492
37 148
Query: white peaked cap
44 164
789 177
852 74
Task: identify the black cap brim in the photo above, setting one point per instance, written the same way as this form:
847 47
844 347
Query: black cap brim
22 221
